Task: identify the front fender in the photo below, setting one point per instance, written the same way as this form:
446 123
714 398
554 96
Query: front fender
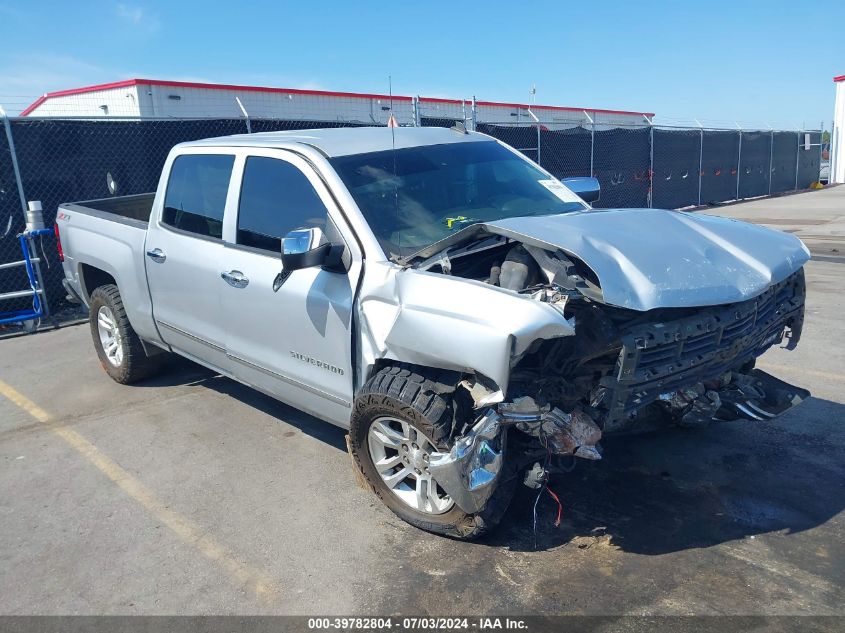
453 323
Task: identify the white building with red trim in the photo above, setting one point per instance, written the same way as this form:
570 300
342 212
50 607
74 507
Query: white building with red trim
153 98
837 137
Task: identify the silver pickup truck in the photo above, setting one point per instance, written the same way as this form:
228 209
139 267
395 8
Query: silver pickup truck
472 321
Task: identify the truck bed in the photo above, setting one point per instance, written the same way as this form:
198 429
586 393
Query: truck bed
134 209
109 235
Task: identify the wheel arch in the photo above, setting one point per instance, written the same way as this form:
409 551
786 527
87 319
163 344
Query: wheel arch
92 277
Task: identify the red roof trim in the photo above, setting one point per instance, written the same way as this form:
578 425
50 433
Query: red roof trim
325 93
839 78
524 106
78 91
84 89
537 106
442 100
34 105
192 84
296 91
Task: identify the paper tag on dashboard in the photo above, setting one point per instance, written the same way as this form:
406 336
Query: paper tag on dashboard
557 188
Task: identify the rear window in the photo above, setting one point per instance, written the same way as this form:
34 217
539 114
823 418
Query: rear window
196 193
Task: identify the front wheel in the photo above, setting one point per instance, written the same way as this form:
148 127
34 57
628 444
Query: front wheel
400 419
120 350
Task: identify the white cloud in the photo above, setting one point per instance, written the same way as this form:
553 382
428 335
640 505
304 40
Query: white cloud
138 17
26 77
133 14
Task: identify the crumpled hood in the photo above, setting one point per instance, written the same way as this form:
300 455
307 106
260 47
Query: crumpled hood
651 258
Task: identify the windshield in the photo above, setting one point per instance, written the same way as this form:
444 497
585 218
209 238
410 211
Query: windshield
416 196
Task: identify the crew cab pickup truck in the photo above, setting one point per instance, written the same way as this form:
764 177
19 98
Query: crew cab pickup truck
469 319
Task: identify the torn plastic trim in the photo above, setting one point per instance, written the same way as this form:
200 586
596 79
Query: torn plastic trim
753 395
482 393
758 396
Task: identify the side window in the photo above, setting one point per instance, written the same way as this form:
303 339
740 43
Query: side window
196 193
276 198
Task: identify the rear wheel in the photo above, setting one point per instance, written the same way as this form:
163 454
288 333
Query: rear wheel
120 350
401 418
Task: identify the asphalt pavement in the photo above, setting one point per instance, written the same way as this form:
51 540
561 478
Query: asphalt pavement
192 494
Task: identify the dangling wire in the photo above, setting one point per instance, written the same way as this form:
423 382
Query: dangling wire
544 485
559 505
545 488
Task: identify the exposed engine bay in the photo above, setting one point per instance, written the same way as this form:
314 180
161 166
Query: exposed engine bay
624 370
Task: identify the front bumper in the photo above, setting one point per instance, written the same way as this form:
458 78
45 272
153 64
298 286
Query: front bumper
661 357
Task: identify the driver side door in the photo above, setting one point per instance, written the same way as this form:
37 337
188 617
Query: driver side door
296 343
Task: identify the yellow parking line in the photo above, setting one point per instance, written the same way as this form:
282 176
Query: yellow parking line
179 525
802 370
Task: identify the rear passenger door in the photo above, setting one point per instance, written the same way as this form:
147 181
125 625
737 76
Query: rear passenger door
295 343
184 249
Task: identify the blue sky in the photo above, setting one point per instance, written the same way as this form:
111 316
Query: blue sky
765 62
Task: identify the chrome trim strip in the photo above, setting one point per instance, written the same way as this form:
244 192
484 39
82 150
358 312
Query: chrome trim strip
213 346
754 407
748 412
291 381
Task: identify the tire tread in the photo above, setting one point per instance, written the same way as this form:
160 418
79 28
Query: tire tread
136 364
416 394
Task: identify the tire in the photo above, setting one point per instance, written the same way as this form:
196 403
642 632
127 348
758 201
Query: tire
128 361
402 394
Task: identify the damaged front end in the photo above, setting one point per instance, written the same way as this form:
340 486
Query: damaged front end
623 371
576 327
470 471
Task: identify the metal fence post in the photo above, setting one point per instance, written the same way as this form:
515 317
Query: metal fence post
537 123
246 115
700 161
474 114
821 150
15 167
797 159
738 163
771 155
19 184
651 164
592 140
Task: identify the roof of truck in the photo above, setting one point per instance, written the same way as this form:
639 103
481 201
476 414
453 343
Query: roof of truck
345 141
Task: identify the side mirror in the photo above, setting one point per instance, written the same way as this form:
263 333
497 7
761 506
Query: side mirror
306 248
585 187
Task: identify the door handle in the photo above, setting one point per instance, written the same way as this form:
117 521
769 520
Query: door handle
235 278
157 255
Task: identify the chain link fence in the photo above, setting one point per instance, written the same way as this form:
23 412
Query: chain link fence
667 167
62 160
11 223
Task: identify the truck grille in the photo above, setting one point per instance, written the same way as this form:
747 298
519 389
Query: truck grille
661 357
